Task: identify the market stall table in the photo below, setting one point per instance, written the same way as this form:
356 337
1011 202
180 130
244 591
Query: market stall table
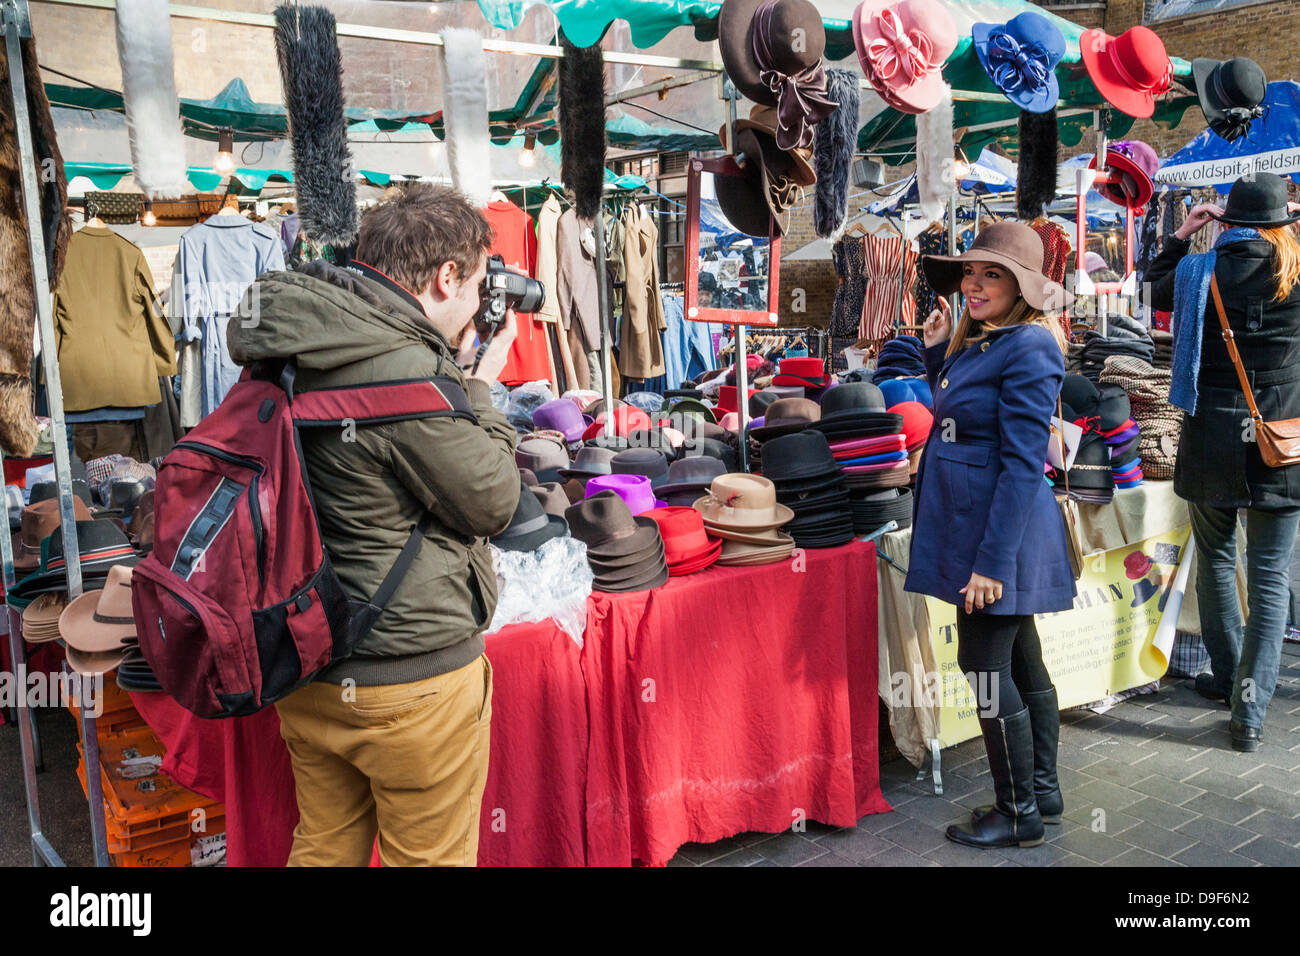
732 700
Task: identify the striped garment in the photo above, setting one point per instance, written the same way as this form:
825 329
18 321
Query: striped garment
887 303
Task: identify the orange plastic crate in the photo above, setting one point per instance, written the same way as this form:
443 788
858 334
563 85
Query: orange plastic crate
195 849
118 713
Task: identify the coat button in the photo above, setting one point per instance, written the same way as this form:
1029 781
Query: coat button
944 383
984 347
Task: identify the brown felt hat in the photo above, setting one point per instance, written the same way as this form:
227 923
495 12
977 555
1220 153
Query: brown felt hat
795 36
1015 247
101 621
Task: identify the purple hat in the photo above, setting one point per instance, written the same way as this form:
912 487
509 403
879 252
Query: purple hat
635 490
561 415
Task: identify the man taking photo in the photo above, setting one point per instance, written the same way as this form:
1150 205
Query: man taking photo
393 741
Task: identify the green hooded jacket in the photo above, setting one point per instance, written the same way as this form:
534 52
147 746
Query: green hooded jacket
372 483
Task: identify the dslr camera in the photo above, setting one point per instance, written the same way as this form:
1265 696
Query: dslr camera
504 289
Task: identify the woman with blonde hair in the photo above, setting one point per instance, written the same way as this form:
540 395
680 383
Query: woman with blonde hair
1256 266
987 535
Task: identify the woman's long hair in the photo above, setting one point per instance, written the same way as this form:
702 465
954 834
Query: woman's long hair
1022 313
1286 258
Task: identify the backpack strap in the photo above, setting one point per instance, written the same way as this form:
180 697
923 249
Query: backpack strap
403 563
438 397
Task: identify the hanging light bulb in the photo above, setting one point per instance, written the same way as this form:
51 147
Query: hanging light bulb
225 161
526 156
148 219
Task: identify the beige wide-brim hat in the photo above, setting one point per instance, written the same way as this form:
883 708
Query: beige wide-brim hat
742 502
100 622
1015 247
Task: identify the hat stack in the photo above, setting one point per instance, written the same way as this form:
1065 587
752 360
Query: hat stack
531 526
687 545
873 509
743 511
899 358
41 617
40 520
785 416
1090 477
102 546
1164 343
1121 435
811 483
647 462
918 422
864 439
1159 423
1125 337
902 389
625 551
543 457
801 372
99 626
689 479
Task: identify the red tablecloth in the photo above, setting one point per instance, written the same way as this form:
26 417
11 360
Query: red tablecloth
733 700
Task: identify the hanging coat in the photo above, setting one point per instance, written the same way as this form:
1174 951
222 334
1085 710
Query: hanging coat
641 346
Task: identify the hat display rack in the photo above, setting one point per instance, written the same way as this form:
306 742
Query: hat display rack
15 24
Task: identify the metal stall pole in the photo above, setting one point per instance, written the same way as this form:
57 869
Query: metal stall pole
16 23
952 251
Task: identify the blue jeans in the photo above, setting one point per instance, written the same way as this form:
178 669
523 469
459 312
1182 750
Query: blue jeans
1244 659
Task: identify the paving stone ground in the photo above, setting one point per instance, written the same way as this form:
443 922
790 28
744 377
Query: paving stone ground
1152 782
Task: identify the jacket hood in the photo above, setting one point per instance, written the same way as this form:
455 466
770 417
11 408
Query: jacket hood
327 317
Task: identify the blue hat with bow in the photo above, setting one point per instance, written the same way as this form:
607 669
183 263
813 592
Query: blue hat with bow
1020 56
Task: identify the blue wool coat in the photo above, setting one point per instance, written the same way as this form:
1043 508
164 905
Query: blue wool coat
981 502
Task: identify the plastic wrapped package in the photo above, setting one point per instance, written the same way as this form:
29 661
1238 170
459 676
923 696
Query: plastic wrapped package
649 402
552 582
500 397
525 400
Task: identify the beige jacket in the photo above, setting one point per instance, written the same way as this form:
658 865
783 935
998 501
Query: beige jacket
640 345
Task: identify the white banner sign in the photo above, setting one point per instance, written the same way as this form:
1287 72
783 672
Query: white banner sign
1214 172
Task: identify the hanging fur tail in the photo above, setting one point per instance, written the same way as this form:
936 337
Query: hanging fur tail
18 429
1036 171
153 112
311 74
465 114
582 126
833 146
935 161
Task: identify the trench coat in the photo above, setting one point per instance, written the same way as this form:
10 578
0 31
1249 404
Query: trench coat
982 503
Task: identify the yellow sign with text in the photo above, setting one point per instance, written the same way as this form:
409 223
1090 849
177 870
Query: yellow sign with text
1111 640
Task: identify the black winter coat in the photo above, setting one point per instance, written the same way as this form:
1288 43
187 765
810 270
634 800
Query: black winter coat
1216 464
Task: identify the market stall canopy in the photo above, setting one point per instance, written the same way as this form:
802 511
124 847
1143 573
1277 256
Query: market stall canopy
1271 146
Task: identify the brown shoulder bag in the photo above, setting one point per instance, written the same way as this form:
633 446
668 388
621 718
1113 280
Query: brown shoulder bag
1279 442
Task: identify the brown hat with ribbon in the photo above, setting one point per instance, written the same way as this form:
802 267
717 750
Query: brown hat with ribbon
39 521
772 50
1016 248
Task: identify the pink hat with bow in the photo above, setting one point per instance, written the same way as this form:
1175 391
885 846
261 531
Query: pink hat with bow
902 48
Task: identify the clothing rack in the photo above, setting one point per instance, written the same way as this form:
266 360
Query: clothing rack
15 23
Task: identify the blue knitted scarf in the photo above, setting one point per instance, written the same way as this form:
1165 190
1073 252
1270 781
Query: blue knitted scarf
1191 292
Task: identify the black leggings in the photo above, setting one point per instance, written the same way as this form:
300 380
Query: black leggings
1002 651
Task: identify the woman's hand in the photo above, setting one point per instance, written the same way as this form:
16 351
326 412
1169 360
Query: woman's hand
980 591
938 327
1197 219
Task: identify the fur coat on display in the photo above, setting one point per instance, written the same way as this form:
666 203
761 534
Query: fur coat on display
465 114
1039 144
835 140
311 74
153 112
582 126
18 429
935 161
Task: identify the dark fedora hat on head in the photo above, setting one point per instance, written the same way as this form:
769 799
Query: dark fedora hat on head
772 50
1258 201
1016 248
531 526
1230 92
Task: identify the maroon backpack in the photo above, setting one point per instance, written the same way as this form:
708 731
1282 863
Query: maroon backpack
238 604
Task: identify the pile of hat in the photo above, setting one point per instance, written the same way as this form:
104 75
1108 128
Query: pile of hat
1090 477
99 630
743 511
1159 423
865 439
688 548
785 416
1121 435
811 483
900 358
1125 337
532 525
625 550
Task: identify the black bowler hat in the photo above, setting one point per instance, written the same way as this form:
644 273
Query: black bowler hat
1259 201
1092 466
1230 92
804 454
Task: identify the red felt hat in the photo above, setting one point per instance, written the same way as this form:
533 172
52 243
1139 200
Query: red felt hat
627 419
727 399
1130 70
1137 163
917 422
682 530
807 371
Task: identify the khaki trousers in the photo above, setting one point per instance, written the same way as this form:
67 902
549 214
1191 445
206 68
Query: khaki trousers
406 762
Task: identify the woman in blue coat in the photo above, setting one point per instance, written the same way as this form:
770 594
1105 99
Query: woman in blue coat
987 534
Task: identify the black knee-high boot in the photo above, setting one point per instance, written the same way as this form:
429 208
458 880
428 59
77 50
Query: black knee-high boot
1045 719
1015 820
